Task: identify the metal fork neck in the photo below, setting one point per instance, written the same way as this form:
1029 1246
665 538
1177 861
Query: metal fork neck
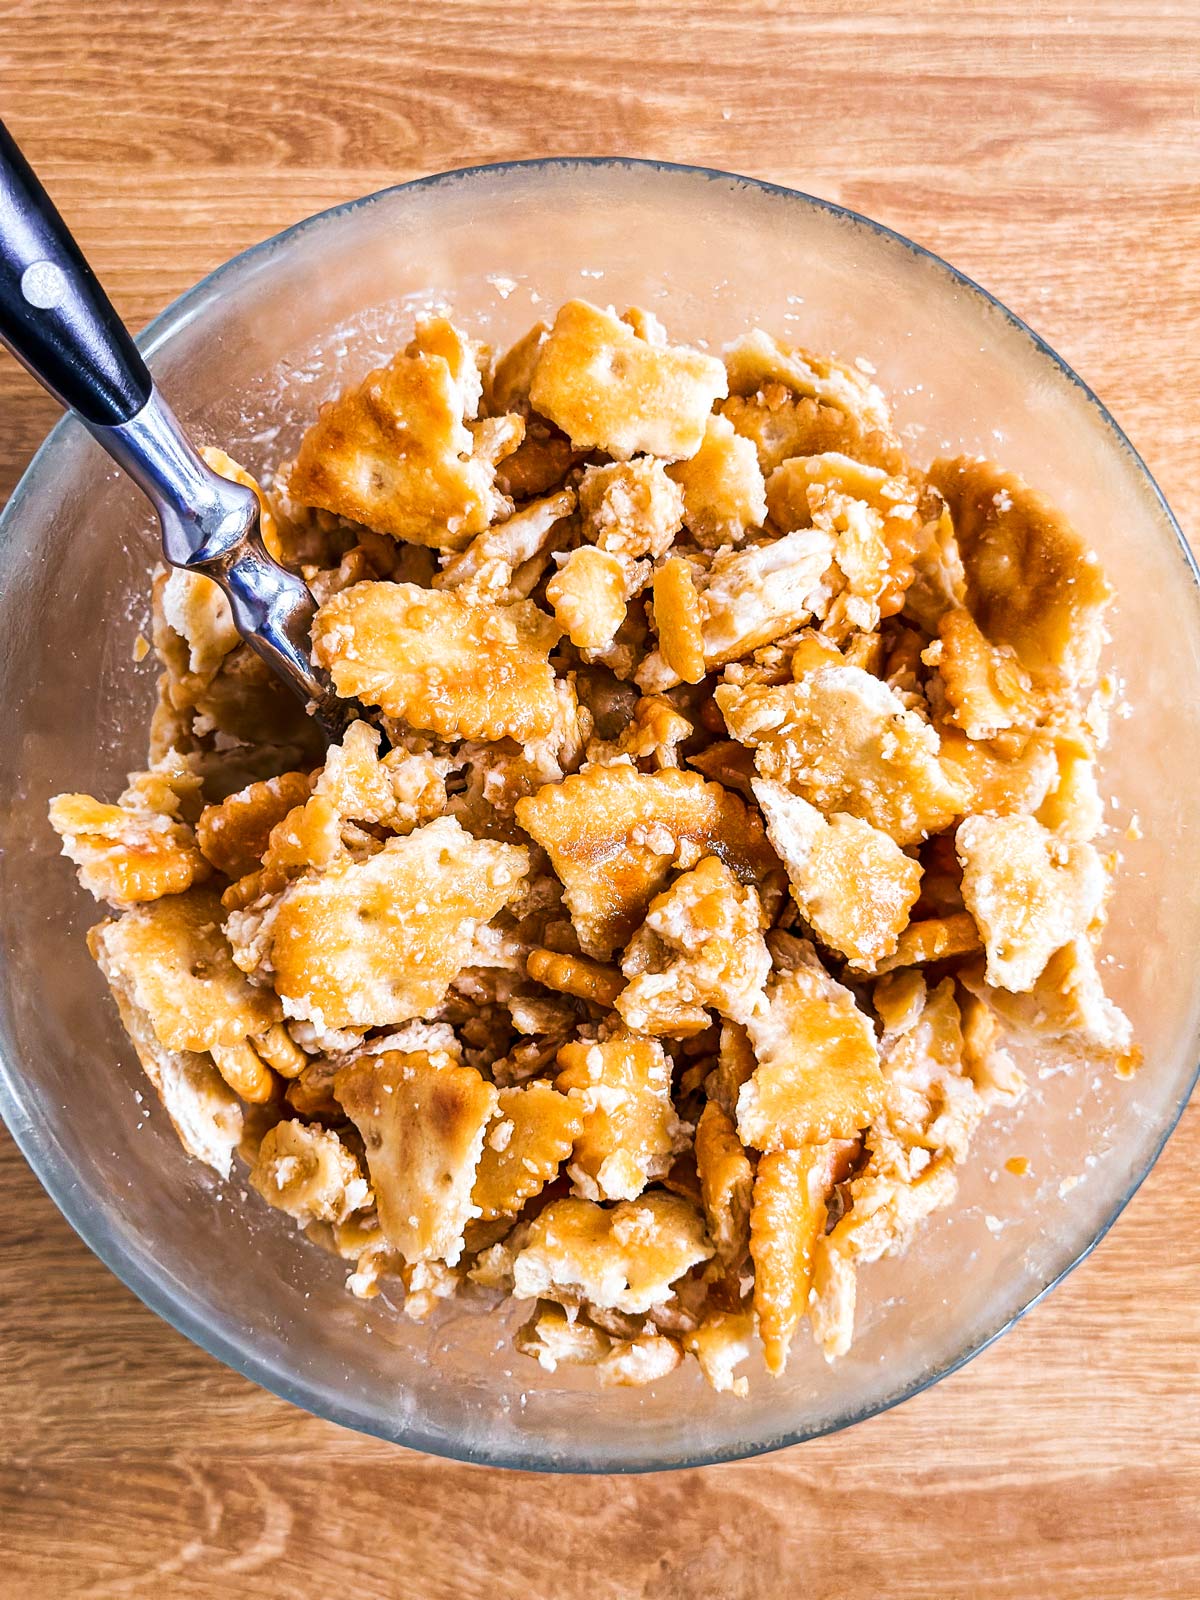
210 525
204 516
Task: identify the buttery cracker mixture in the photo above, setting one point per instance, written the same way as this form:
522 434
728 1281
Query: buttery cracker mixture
723 801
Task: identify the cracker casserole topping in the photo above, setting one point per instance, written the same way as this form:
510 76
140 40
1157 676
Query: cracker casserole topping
723 804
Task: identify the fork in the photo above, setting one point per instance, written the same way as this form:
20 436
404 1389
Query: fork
57 320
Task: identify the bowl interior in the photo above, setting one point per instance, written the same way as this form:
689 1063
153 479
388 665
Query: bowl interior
245 359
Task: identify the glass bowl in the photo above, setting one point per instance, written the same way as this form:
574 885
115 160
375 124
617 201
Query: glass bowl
245 357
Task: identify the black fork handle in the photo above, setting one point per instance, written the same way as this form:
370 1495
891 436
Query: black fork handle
54 316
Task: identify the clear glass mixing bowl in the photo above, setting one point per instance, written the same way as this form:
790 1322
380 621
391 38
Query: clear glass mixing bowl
245 358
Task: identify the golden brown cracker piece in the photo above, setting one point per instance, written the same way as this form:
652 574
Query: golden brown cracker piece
396 454
630 1130
1029 891
613 833
726 1181
233 834
608 389
853 884
623 1258
306 1171
423 1119
462 670
724 495
786 1220
679 620
818 1072
532 1135
1032 583
700 948
377 941
845 742
587 595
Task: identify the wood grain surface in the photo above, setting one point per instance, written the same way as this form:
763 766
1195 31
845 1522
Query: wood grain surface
1052 152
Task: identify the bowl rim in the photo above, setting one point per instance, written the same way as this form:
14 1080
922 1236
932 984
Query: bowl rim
55 1175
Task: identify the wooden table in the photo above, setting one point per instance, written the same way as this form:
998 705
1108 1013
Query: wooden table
1053 152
